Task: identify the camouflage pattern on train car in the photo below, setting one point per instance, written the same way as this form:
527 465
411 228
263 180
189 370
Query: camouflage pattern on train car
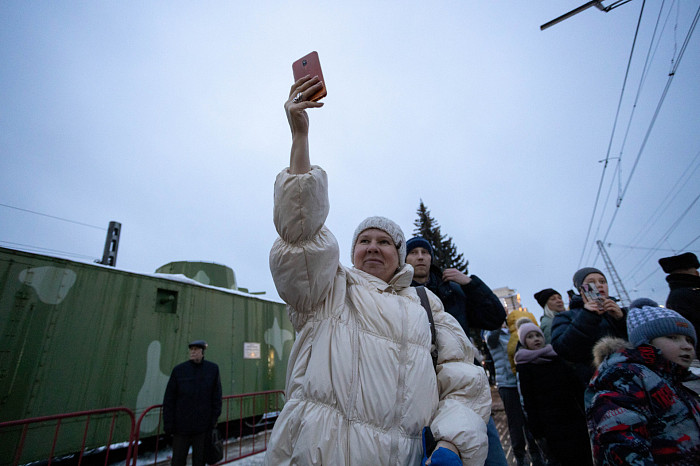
78 336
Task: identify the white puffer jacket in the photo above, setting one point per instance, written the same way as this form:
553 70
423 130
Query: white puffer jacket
360 379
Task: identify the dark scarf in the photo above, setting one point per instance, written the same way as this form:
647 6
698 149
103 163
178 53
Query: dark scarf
538 356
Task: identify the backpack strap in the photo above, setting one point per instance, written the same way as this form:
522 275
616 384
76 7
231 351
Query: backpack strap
433 336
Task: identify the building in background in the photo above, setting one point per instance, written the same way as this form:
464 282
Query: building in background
509 298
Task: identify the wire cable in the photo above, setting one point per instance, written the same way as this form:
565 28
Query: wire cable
691 242
688 174
626 246
54 217
607 155
653 120
31 248
666 235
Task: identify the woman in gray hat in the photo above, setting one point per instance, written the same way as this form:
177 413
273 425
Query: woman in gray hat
361 384
576 331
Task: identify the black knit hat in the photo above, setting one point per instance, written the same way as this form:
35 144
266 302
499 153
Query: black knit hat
581 275
543 296
682 261
418 242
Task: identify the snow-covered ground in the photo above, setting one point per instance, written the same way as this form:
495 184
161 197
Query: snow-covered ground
165 454
255 460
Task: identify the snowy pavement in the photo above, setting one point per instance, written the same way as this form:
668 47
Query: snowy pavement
255 460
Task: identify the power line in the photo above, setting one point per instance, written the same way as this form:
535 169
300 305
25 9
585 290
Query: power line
645 73
653 120
54 217
687 245
688 174
661 101
639 247
29 247
612 135
670 230
655 271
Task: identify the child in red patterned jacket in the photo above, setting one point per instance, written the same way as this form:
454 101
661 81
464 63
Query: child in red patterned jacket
639 411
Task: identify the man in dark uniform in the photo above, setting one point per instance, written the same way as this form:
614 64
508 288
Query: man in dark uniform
684 281
192 405
468 300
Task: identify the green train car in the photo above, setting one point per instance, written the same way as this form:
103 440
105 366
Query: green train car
77 336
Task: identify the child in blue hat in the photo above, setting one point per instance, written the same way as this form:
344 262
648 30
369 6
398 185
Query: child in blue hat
639 407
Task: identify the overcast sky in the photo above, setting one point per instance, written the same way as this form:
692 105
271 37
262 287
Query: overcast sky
167 117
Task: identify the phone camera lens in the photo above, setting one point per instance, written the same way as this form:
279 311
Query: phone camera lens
303 63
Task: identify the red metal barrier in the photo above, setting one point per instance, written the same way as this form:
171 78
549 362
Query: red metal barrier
45 422
245 418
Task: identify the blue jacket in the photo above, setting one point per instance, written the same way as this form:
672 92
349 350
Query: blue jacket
576 331
192 401
473 305
497 341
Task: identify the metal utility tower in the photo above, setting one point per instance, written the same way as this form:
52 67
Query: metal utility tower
619 287
109 256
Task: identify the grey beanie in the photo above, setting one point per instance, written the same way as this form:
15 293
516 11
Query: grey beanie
646 323
581 275
384 224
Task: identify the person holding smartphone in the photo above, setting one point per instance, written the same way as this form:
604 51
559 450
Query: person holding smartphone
361 384
576 331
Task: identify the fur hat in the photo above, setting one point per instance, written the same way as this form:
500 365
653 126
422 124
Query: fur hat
526 328
581 275
384 224
418 242
543 296
683 261
646 323
641 302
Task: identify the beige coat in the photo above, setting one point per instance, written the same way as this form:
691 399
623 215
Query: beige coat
360 380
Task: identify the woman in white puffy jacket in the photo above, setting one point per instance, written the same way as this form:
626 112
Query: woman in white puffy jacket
361 384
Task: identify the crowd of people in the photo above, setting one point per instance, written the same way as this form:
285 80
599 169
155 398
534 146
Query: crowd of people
382 370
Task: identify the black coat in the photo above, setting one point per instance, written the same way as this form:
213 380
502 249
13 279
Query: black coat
192 401
553 402
473 305
576 331
684 297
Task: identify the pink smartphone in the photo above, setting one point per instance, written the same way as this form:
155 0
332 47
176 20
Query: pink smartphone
310 64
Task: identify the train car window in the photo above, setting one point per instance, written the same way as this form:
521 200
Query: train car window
166 301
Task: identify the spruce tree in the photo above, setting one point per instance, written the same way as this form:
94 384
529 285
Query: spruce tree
444 251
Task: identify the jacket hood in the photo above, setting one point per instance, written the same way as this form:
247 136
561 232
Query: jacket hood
607 346
645 354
